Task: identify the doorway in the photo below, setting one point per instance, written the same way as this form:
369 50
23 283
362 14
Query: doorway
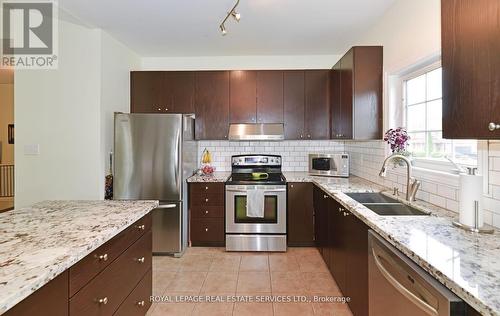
6 140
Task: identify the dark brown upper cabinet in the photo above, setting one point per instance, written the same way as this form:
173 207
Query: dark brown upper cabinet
470 36
162 92
317 104
270 96
317 108
243 96
147 91
294 104
212 105
357 112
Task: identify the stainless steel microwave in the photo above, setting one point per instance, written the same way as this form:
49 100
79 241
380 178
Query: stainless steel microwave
332 165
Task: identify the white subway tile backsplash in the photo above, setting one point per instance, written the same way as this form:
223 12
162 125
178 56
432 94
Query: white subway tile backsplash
294 153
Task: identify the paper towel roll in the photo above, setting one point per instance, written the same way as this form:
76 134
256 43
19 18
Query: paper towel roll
471 189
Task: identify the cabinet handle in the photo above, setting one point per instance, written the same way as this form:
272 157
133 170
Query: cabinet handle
141 260
103 257
493 126
206 200
206 212
291 185
225 136
301 136
206 229
206 188
325 196
141 303
346 214
308 136
340 209
102 301
141 227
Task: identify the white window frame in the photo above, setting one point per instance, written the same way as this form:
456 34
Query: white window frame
426 163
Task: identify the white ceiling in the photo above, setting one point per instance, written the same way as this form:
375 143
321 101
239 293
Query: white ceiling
155 28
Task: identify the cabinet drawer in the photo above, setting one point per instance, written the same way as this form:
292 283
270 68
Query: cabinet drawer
104 294
207 199
207 230
207 211
138 303
209 187
87 268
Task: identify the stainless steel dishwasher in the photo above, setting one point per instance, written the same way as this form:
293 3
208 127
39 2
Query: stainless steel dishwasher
397 286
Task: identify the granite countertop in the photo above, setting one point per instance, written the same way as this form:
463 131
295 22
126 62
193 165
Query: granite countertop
218 176
466 263
38 243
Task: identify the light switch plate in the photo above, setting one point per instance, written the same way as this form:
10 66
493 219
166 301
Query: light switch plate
32 149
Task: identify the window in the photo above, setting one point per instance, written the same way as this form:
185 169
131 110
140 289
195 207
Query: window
422 97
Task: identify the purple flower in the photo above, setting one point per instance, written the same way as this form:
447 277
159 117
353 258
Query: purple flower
397 139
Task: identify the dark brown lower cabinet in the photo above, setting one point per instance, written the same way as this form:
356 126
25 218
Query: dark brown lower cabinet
300 214
206 214
343 242
49 300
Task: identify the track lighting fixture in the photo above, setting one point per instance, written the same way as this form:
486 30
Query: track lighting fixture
232 13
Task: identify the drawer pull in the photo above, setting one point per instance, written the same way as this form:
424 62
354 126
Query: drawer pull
141 260
206 212
206 200
141 303
103 257
206 229
206 188
141 227
493 126
102 301
325 196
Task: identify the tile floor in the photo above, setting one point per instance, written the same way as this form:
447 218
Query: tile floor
214 272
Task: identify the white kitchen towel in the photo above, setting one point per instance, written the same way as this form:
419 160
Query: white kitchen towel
255 203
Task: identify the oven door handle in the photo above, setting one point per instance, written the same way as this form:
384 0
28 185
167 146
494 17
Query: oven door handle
265 191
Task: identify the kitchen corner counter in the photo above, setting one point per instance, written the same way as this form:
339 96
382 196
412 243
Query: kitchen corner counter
466 263
218 176
39 242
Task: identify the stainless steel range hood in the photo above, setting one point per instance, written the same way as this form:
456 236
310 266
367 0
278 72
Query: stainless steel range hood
256 132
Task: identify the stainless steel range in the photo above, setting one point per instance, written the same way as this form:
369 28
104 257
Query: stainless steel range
254 175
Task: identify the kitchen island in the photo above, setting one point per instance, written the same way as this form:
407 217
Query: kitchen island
468 264
49 239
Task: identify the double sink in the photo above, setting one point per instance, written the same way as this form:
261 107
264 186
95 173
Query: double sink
384 205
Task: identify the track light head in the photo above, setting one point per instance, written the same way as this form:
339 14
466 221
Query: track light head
223 29
236 15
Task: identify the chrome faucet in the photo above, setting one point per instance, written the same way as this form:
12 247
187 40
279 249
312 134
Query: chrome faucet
412 184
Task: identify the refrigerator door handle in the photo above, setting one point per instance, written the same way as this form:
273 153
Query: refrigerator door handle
167 206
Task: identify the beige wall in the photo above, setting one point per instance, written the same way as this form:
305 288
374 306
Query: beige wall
6 114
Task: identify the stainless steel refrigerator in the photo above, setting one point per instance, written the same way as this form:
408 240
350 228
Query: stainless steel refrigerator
154 155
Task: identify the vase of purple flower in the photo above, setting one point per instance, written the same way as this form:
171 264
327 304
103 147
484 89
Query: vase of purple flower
398 139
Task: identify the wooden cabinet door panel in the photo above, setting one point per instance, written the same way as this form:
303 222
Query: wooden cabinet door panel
207 230
147 92
300 214
212 105
243 96
368 118
270 96
471 68
338 245
357 264
294 103
180 86
346 94
317 114
49 300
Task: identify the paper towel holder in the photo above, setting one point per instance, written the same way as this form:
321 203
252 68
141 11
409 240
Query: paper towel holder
475 229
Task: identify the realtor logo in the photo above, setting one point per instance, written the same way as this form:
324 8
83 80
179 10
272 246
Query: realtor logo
29 34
